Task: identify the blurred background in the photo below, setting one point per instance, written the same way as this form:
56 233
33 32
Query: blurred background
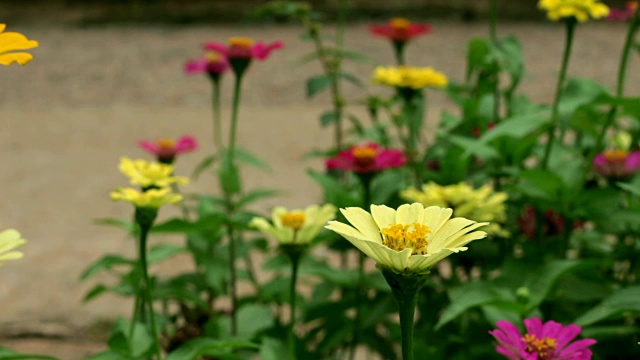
110 73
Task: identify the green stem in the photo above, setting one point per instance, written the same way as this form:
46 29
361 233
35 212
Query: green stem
145 218
233 276
571 25
405 288
398 51
622 77
493 21
217 117
234 117
294 256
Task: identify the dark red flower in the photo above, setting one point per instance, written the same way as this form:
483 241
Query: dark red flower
400 30
366 158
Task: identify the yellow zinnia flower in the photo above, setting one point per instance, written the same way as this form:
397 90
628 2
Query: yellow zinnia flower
298 226
152 198
581 10
481 204
149 174
12 41
9 240
409 77
409 240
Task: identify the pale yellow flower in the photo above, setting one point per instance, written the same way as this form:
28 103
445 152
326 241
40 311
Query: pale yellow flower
409 77
12 41
298 226
581 10
482 205
9 240
152 198
409 240
149 174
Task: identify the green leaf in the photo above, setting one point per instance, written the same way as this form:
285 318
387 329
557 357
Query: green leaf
387 184
632 188
542 280
203 165
129 226
622 301
328 118
196 348
477 50
541 184
141 343
352 79
164 251
474 147
252 319
256 195
105 263
466 297
229 176
248 158
335 192
106 355
515 127
317 84
7 354
177 225
94 292
273 349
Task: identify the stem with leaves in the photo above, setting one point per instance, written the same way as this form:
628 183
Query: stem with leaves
570 29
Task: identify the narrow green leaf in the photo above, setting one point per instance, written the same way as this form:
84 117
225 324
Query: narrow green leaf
317 84
105 263
625 300
203 165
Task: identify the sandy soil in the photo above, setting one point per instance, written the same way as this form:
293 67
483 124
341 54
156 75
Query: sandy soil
90 94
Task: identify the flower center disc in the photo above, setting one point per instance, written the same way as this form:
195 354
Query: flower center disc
293 220
413 236
543 347
615 155
165 144
364 156
400 23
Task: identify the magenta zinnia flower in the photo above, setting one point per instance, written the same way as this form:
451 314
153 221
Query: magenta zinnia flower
212 63
166 150
241 51
366 159
400 30
542 341
617 163
623 14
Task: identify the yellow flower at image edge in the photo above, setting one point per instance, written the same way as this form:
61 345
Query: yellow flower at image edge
298 226
12 41
152 198
409 240
145 173
409 77
9 240
581 10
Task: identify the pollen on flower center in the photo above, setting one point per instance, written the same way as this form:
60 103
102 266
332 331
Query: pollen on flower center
293 219
243 42
400 23
364 155
413 236
615 155
165 144
213 57
543 347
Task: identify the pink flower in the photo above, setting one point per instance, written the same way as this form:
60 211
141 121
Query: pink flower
400 30
543 341
244 48
623 14
617 163
211 63
166 150
366 159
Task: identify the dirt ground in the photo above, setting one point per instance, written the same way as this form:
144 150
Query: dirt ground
91 93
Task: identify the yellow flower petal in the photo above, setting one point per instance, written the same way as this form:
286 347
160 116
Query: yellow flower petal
363 221
12 41
315 217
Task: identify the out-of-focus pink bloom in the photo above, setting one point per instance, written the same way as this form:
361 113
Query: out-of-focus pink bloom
211 63
617 163
623 14
166 150
542 341
244 48
366 159
400 30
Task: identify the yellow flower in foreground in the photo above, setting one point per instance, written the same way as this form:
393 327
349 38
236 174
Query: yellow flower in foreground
582 10
409 77
409 240
149 174
152 198
481 204
9 240
298 226
12 41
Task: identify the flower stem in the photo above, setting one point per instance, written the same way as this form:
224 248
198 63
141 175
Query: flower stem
570 25
622 77
234 117
405 288
294 256
145 218
217 118
398 50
